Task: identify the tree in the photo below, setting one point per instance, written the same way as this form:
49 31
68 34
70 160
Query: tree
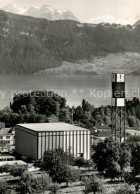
3 187
57 162
135 160
17 170
125 190
64 173
133 180
113 170
94 184
13 170
85 106
56 157
124 158
111 158
104 153
54 188
33 184
79 161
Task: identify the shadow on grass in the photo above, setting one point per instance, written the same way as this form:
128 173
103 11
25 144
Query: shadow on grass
115 182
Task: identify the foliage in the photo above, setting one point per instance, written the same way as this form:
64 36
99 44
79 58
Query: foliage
57 156
82 115
38 102
94 184
34 107
48 43
113 170
132 139
124 158
13 170
30 183
3 187
135 160
111 158
79 161
57 163
54 188
64 173
125 190
38 106
17 170
132 179
104 152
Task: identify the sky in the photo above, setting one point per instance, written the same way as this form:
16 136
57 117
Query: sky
85 9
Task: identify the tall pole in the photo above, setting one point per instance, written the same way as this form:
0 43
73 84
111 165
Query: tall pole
118 107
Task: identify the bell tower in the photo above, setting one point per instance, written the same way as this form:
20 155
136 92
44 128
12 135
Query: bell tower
118 107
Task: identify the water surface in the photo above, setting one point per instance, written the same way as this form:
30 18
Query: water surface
94 88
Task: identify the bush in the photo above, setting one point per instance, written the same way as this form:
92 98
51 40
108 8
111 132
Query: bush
125 190
94 184
3 187
111 158
54 188
33 184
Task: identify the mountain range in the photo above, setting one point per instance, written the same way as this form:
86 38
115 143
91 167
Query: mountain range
44 11
111 19
29 45
50 13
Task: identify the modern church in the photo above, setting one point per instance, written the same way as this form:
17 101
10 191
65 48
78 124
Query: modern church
32 140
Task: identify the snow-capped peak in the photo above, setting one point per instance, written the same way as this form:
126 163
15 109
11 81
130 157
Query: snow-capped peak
111 20
11 8
45 11
46 7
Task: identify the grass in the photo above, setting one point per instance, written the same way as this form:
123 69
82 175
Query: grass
121 62
77 188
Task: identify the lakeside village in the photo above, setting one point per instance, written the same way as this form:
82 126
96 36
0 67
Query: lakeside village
48 147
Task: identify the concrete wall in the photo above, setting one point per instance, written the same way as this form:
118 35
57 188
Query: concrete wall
75 142
26 142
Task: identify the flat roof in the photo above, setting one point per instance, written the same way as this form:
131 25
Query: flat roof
42 127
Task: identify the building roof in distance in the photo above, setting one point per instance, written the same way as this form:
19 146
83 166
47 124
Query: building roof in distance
105 133
5 131
102 127
43 127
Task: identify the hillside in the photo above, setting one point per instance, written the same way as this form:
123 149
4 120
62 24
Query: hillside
120 62
28 44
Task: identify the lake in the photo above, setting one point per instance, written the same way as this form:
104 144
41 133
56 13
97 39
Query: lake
96 89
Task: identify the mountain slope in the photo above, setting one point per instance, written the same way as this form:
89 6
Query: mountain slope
44 11
11 8
28 44
137 23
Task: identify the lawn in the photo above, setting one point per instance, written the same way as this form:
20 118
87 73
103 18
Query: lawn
77 188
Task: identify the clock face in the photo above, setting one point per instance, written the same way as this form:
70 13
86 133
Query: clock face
120 77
